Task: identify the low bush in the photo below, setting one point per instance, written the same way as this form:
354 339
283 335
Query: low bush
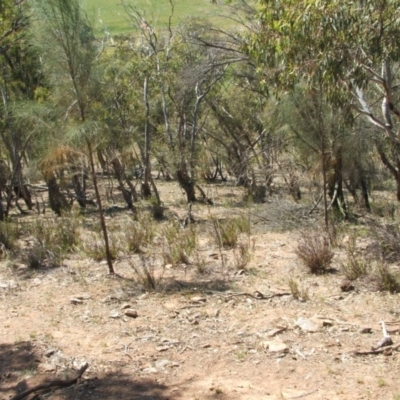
314 250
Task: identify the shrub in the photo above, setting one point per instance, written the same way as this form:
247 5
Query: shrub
39 256
314 250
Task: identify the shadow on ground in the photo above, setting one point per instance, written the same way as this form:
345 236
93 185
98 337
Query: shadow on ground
18 372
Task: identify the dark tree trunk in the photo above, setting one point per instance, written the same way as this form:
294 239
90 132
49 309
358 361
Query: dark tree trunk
58 202
187 184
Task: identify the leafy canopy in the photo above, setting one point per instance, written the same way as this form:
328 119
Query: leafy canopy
327 44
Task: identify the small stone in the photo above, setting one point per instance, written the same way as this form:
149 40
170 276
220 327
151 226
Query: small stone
75 300
386 341
125 306
274 332
162 348
306 325
50 352
206 346
44 367
346 286
366 329
327 322
114 314
275 346
150 370
131 313
198 299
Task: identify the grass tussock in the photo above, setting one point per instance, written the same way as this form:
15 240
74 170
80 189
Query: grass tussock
356 265
179 244
315 252
146 274
9 233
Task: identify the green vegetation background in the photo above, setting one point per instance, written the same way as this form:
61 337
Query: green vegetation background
114 18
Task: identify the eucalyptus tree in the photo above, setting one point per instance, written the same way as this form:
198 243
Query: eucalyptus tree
70 52
348 50
19 79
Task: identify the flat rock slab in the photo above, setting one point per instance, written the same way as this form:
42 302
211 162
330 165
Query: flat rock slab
307 325
275 346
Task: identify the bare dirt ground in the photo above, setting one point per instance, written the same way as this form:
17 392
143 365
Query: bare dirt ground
218 333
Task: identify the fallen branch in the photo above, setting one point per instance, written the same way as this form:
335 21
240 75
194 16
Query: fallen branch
377 351
51 384
257 295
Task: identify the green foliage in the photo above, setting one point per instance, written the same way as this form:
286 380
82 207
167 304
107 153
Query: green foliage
114 21
327 44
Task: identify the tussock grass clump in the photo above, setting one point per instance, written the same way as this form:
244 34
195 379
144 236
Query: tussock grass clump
139 234
9 232
180 244
93 246
387 239
61 233
315 252
298 293
243 254
387 280
356 265
146 275
39 256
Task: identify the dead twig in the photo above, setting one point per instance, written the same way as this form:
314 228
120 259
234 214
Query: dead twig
51 384
256 295
381 350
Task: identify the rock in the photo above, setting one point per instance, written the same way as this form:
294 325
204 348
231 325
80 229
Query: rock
131 313
275 346
386 341
162 348
366 329
50 352
125 306
44 367
274 332
198 299
75 300
307 325
114 314
166 363
327 322
346 286
150 370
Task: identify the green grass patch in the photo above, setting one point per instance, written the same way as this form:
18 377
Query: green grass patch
156 12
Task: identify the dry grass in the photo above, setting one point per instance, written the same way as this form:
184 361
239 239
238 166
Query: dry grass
315 252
